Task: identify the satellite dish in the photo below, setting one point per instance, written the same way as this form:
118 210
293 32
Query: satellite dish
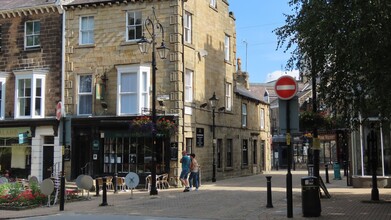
33 179
3 180
47 187
84 182
132 180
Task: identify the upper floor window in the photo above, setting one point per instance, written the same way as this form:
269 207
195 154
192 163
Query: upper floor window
228 96
133 89
85 95
187 27
244 115
2 96
262 119
86 30
134 28
30 94
32 34
213 3
188 85
227 48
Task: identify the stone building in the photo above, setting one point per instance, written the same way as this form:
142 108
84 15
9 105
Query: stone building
30 87
108 84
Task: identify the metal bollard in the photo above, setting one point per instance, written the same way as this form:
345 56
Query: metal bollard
269 192
104 197
115 182
96 187
327 173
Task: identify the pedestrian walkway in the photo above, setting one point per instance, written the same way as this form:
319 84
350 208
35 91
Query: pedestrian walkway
236 198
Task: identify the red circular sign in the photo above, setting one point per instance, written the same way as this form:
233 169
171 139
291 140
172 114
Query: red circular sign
58 110
285 87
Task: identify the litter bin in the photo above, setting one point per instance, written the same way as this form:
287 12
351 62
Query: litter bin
310 196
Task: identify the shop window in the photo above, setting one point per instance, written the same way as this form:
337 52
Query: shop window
229 153
245 153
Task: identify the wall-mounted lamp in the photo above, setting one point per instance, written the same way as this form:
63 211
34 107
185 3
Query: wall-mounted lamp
104 105
221 109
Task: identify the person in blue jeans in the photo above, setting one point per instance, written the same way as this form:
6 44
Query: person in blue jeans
185 160
194 172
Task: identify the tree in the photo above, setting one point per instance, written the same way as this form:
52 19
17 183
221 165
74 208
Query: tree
345 45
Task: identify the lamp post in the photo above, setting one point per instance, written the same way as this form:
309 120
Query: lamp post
213 103
151 25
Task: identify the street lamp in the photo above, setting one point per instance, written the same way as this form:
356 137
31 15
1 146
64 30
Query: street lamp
213 103
152 25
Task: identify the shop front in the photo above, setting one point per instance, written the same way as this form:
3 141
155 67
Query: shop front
102 147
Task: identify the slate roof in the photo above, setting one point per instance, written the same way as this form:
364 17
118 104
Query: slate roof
239 89
17 4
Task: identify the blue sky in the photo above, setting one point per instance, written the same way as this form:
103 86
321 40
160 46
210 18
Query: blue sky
255 21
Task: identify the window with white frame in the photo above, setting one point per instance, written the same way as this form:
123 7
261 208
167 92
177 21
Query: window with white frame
213 3
187 27
85 95
30 93
133 89
86 30
134 27
32 34
262 119
228 96
227 48
2 95
188 85
244 115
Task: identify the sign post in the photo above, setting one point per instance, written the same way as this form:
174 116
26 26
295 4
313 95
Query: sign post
286 89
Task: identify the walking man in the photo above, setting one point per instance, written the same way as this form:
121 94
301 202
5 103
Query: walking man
194 172
185 160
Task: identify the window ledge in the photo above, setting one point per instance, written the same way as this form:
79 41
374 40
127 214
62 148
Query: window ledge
214 8
228 169
32 49
129 43
244 167
80 46
190 45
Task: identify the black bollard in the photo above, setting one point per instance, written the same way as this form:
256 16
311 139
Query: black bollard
104 197
115 182
327 173
269 192
96 187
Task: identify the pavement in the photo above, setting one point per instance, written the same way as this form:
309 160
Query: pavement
230 199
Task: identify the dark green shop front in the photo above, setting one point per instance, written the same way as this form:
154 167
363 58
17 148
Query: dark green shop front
104 147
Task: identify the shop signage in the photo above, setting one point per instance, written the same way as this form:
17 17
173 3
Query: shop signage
14 132
200 137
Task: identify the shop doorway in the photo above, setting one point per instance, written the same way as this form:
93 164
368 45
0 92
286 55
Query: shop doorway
47 170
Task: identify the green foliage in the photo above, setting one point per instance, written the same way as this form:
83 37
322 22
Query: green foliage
4 188
15 189
309 120
346 46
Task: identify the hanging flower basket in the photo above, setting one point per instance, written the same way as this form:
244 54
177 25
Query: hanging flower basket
144 126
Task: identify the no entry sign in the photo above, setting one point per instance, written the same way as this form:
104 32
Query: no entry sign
286 87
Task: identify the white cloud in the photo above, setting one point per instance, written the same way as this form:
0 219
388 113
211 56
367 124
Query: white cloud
277 74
